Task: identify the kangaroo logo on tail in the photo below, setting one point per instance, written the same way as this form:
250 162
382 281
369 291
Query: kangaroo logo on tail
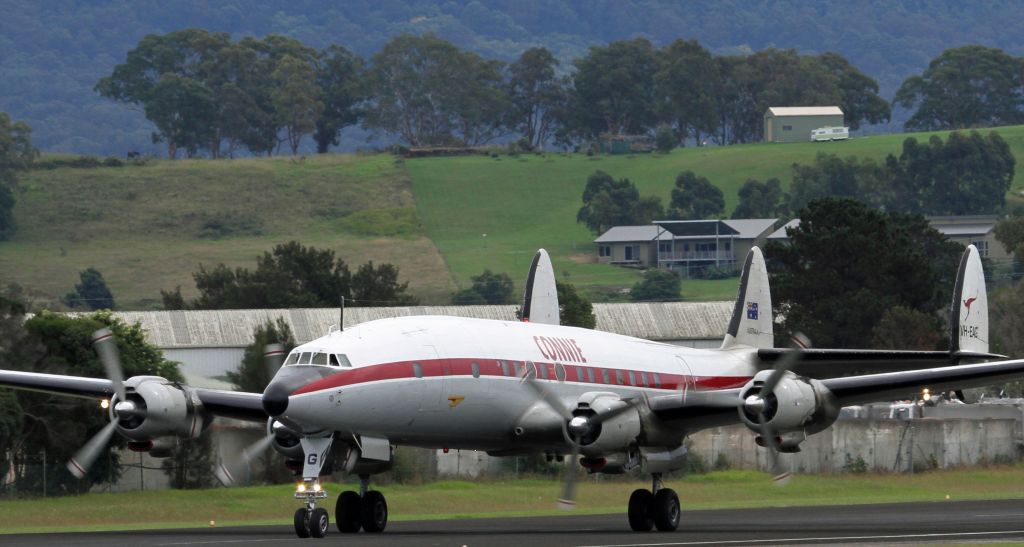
967 304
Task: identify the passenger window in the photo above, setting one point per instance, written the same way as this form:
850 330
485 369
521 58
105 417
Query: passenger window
632 378
476 370
643 379
590 375
542 369
304 358
559 372
293 358
343 361
319 358
417 370
605 376
657 380
504 368
618 377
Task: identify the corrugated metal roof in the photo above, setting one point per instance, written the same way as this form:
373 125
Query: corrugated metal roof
620 234
805 111
234 328
750 228
781 232
964 229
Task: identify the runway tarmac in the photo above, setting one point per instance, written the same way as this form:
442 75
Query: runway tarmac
906 523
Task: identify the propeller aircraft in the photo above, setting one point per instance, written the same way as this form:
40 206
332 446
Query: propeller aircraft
614 404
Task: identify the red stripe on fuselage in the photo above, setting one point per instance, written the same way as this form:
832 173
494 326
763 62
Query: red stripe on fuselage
492 367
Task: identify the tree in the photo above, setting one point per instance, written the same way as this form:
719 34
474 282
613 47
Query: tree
339 75
832 176
253 375
685 86
657 285
91 293
429 92
613 89
574 309
16 154
537 95
664 139
61 425
1007 329
858 94
488 288
904 328
846 264
695 198
608 202
296 99
375 287
968 86
181 109
759 199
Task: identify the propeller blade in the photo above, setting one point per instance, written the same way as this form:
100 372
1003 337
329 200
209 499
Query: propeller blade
224 472
799 343
568 499
530 381
106 346
631 403
80 463
273 356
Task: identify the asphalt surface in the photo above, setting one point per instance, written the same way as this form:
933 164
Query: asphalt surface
947 522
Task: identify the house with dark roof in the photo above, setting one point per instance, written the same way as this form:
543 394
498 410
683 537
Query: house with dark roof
685 245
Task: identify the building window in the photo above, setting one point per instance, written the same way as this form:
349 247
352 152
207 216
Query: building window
982 246
664 246
632 253
604 251
787 128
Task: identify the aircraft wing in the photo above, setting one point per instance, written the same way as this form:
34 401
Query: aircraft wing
699 409
830 363
229 404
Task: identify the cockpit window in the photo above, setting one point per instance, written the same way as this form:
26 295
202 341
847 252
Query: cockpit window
304 358
293 358
319 359
343 361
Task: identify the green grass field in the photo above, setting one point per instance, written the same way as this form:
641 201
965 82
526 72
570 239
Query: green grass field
531 201
441 220
488 498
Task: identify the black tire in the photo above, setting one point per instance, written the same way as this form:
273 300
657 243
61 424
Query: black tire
373 512
319 523
301 523
346 512
665 510
640 502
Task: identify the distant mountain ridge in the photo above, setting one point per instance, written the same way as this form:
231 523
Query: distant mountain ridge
52 53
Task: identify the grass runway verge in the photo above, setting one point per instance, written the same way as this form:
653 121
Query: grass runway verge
497 498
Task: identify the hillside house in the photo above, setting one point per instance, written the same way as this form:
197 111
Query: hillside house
795 123
684 245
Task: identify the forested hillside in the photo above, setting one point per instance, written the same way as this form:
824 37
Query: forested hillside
52 54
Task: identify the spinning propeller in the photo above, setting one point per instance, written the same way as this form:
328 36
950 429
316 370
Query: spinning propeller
106 347
228 471
578 427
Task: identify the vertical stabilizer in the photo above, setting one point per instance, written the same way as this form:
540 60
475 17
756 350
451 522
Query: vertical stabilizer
968 317
751 323
540 302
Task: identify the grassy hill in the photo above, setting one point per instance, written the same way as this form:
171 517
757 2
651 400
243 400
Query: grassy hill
441 220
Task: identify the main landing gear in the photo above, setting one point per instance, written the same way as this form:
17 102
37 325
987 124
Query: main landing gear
654 508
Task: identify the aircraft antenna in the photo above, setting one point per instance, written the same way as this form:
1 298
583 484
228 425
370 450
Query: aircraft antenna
341 315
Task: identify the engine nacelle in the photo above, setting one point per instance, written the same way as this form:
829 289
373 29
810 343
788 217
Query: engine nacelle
154 407
609 436
285 441
797 407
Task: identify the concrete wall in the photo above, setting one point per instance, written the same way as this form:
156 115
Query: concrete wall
884 445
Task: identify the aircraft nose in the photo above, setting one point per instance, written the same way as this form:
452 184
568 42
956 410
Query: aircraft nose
275 399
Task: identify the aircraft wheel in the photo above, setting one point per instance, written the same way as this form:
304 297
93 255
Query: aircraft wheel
302 523
319 522
665 510
373 509
640 503
346 512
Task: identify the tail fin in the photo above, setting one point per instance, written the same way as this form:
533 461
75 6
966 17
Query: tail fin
751 323
968 317
540 302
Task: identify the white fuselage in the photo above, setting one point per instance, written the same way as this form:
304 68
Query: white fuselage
437 381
